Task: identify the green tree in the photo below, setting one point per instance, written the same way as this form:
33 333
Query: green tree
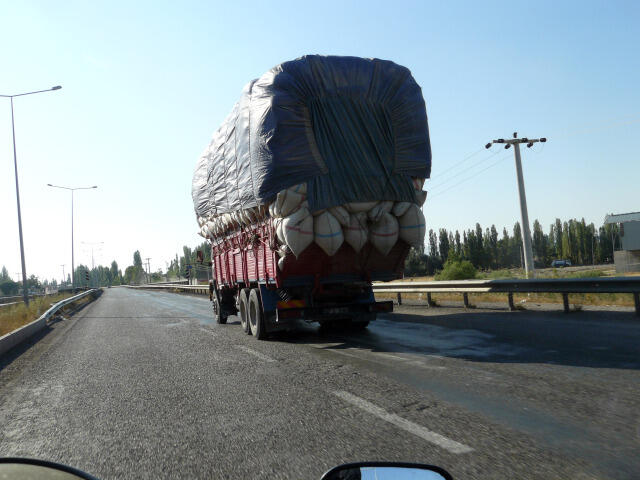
137 259
9 287
539 244
4 274
443 244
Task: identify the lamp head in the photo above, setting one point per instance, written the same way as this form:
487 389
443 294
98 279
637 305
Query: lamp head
57 87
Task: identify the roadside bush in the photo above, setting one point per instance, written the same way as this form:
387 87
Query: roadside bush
457 270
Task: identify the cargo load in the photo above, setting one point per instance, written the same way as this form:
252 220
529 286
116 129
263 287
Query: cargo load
316 142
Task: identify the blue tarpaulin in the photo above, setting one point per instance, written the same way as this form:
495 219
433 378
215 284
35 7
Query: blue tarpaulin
353 129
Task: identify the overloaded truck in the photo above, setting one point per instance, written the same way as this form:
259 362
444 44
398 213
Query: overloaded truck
311 190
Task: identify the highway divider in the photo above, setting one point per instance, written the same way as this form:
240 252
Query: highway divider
12 339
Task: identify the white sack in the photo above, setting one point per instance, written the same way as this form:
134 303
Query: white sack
298 230
418 183
281 263
341 215
327 233
384 233
301 188
357 207
356 233
279 230
400 208
421 197
376 212
412 226
287 202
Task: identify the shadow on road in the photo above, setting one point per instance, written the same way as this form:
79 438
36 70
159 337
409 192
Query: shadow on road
585 339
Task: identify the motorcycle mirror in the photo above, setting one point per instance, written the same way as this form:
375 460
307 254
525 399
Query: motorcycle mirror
386 471
29 468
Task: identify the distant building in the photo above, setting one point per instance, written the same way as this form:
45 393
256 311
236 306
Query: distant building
628 259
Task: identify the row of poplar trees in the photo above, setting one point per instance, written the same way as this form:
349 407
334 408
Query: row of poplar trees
488 250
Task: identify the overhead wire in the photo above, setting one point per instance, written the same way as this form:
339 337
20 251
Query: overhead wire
462 172
471 177
461 161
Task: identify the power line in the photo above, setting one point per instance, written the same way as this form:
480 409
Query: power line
439 185
460 162
471 177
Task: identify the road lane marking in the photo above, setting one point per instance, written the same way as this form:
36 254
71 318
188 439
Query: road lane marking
407 425
250 351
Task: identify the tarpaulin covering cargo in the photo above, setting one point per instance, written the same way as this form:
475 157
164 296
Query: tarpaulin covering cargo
350 129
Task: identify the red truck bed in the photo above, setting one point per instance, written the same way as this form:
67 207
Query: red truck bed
250 256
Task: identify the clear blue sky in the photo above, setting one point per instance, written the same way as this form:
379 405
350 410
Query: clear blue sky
145 84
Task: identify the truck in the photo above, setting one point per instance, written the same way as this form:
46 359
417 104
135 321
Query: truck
311 191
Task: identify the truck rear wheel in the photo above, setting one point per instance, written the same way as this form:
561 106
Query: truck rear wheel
256 318
218 313
362 321
244 310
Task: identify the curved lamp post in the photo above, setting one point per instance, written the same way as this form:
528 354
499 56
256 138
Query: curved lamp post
25 289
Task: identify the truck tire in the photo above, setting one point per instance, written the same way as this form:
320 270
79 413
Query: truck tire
218 313
244 310
362 321
256 318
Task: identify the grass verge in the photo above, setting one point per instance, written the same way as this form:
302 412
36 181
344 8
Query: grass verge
16 316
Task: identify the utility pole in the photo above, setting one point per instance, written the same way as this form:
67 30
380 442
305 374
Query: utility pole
529 266
148 270
63 275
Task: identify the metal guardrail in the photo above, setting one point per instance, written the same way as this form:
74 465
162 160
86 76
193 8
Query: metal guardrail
11 339
203 289
563 286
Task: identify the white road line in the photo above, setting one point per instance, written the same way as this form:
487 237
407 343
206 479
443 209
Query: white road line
250 351
418 430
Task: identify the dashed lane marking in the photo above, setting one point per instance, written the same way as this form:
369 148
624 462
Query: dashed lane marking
250 351
407 425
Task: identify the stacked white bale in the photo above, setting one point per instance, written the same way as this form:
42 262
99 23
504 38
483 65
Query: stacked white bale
375 214
412 226
298 230
383 234
381 223
327 233
356 233
341 214
357 207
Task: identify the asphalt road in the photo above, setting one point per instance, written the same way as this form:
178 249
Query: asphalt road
142 385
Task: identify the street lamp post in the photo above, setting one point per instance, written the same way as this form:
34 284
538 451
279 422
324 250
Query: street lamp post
73 267
25 290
